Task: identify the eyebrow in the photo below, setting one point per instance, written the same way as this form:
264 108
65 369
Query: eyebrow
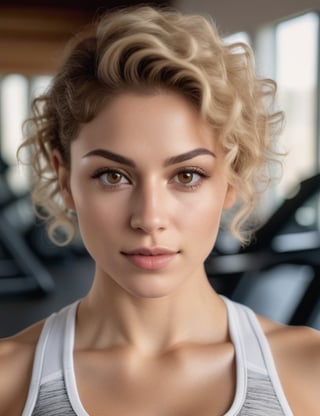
168 162
111 156
187 156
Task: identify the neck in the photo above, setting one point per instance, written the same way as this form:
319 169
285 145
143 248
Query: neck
110 316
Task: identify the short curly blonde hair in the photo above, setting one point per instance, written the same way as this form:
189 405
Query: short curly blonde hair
148 49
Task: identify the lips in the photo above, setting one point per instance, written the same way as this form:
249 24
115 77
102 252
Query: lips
150 258
143 251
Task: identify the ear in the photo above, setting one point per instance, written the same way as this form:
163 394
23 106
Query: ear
63 176
230 198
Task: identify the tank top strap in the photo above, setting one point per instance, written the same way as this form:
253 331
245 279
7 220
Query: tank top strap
257 352
48 359
253 340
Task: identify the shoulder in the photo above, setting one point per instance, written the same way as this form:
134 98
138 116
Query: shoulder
296 352
16 362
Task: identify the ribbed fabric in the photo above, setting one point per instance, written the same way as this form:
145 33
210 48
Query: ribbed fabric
53 390
53 399
261 399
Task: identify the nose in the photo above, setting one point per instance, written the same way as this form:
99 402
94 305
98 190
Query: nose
149 209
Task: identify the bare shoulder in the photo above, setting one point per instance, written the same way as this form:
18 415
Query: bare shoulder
296 352
16 361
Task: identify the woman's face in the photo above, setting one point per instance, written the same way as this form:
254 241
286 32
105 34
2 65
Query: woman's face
149 184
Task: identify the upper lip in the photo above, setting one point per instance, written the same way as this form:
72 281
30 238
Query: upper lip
144 251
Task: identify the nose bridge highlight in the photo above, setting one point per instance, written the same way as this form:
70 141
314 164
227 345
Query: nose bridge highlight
148 210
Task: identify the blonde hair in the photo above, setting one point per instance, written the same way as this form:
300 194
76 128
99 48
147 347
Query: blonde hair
147 49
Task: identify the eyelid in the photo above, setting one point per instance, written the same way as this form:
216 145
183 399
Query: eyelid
194 170
101 171
202 173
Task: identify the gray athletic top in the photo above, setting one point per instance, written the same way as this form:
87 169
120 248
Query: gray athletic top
53 390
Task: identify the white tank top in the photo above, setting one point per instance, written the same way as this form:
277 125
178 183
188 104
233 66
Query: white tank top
53 390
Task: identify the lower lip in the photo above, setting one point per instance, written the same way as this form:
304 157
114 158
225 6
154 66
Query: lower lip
150 262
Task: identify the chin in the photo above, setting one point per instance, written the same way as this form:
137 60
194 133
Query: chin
154 289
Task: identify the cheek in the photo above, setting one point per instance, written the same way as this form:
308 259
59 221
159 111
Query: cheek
98 217
209 221
202 217
203 223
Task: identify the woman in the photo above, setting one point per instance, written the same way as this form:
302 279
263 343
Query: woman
152 128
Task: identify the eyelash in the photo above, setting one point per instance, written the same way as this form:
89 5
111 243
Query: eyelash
194 171
189 187
105 171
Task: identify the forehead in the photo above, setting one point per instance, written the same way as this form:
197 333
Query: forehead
160 121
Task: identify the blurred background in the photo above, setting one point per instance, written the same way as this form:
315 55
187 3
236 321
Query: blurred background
278 274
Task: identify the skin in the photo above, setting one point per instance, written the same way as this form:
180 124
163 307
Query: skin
153 327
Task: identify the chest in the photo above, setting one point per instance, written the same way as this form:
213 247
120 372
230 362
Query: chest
181 384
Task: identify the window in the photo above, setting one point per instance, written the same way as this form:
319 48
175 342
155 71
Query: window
17 91
296 75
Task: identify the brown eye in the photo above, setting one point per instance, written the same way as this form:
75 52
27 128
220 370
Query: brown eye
113 178
189 179
185 178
